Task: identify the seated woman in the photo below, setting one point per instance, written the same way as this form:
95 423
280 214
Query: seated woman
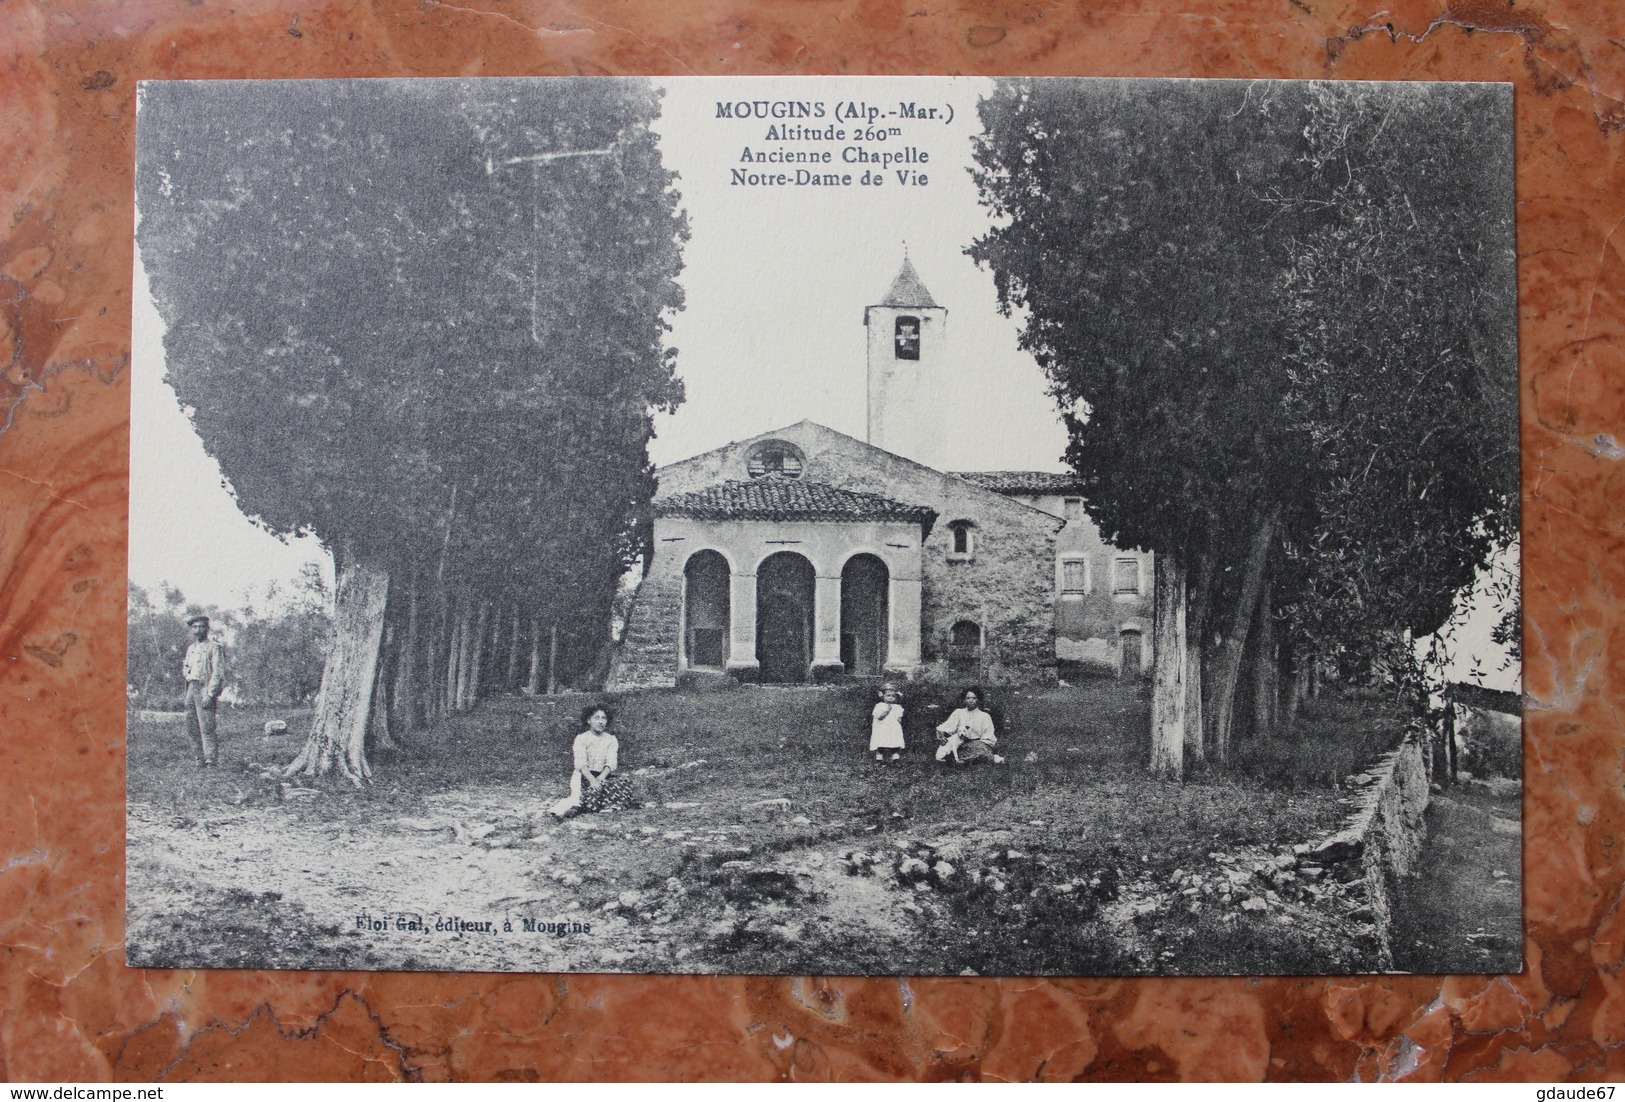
594 785
967 735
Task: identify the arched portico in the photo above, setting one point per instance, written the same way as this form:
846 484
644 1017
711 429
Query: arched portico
707 581
785 594
865 615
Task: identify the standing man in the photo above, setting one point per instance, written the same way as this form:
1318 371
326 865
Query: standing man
205 671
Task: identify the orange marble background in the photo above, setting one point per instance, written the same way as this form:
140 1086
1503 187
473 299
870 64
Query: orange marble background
70 1010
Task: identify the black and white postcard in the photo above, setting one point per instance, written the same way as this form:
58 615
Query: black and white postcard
864 525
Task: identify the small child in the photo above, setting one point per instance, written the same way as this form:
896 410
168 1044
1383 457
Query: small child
886 732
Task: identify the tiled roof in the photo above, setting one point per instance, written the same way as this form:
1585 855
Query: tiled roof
1023 482
778 498
907 290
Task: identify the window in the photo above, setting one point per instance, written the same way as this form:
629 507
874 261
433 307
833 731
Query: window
966 633
775 457
907 338
1126 576
1072 508
962 539
1074 575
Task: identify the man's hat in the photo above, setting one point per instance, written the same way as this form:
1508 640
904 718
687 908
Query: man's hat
204 620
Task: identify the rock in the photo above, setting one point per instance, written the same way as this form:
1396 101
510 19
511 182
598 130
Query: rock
1254 903
998 885
276 727
1301 848
630 899
943 870
674 835
611 907
1499 874
675 886
674 806
1032 756
913 869
1335 850
922 885
649 830
801 820
968 972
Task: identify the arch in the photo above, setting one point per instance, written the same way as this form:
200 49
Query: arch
784 617
707 609
865 614
965 649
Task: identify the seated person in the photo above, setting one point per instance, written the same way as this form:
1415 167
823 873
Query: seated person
594 785
967 735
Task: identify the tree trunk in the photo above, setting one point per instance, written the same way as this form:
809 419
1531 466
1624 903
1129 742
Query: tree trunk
1266 693
552 659
534 685
1170 651
1199 600
461 698
512 682
481 653
407 690
1452 766
1227 669
338 731
1298 689
454 655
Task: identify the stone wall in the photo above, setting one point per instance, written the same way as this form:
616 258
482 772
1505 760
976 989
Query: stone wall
1381 842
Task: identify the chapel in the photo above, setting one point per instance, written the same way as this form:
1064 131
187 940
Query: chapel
804 554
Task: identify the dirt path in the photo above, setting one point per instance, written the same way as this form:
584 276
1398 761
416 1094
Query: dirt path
769 843
1463 911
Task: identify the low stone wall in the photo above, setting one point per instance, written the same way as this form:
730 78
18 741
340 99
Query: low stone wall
1381 842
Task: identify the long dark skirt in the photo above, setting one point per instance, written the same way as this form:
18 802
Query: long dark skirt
972 751
613 793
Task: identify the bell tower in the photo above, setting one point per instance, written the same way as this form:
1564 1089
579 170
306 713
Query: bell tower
907 333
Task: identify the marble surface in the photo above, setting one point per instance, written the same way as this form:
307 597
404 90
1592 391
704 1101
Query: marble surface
69 1009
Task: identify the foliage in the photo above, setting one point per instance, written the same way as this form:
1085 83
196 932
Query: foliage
157 635
425 320
274 656
278 658
1258 300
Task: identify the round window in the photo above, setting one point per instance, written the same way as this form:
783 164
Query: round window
775 457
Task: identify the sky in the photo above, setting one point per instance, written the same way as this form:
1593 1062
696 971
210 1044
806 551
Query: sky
776 280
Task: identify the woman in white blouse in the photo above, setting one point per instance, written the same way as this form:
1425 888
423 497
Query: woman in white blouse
967 735
594 784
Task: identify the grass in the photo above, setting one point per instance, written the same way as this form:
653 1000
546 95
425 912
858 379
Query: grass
1057 858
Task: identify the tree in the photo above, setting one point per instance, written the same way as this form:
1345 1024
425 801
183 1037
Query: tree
278 655
427 322
1217 282
158 636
